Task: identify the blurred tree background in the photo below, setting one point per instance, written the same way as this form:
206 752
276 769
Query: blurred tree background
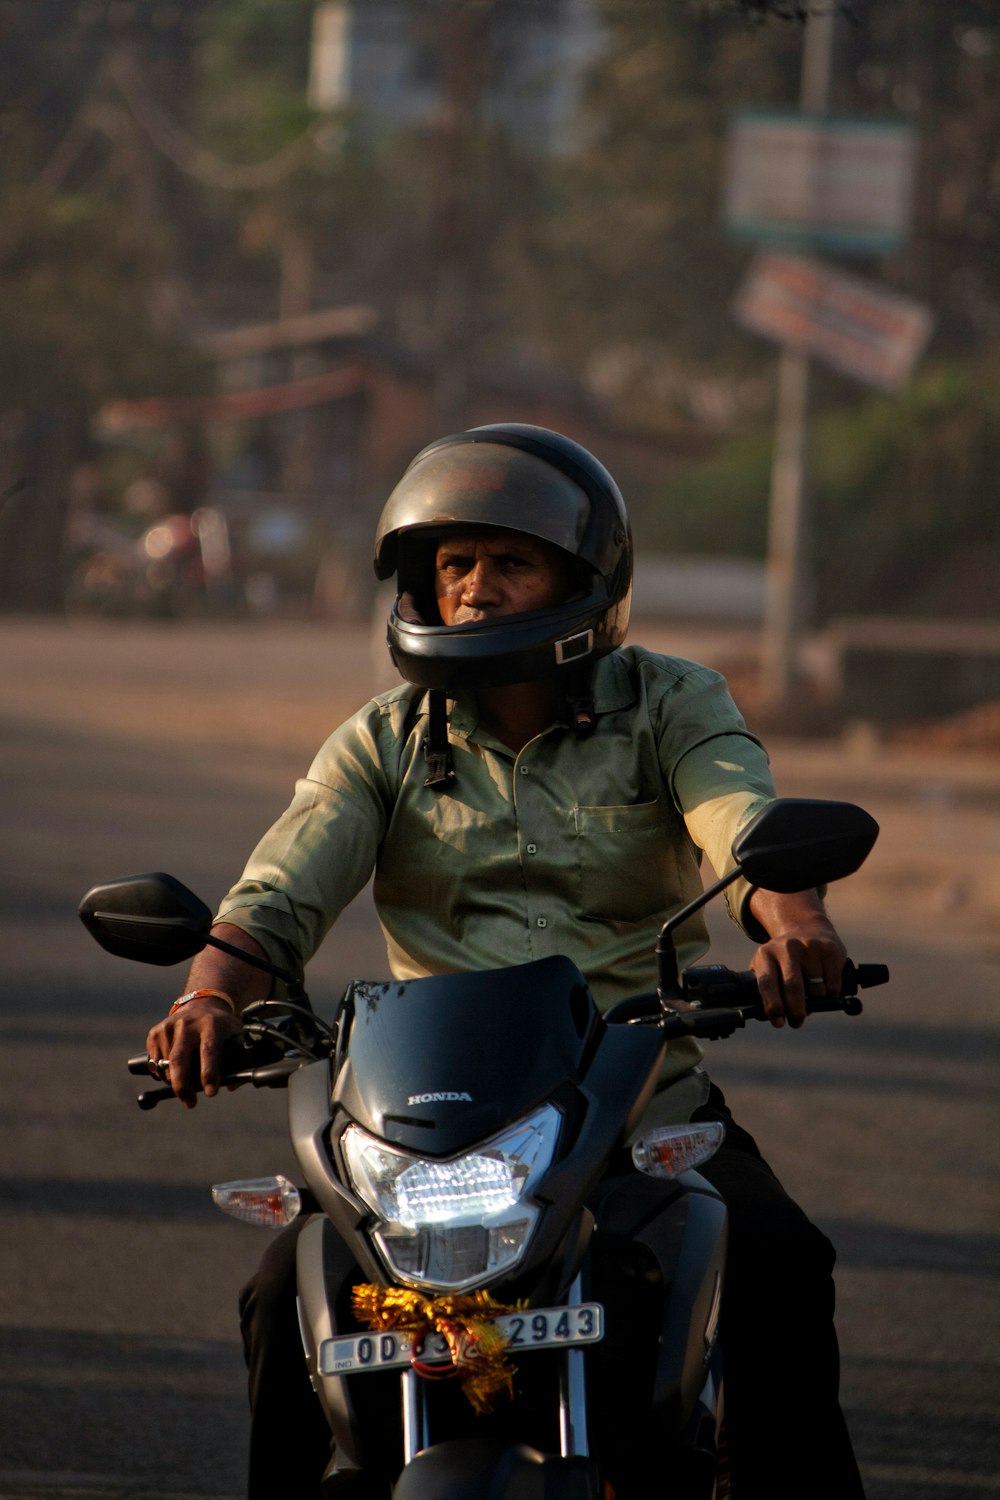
163 176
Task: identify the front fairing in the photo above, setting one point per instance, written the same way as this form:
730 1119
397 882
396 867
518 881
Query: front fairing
435 1066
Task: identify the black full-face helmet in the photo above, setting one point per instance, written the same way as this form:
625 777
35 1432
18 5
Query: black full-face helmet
509 477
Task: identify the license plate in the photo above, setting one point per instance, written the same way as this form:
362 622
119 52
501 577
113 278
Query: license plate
535 1328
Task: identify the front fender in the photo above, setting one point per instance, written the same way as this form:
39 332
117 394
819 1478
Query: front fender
478 1469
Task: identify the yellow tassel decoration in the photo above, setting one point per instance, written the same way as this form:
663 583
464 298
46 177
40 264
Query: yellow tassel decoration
478 1349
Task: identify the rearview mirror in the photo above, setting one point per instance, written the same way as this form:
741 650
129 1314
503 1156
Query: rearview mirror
797 843
793 844
151 918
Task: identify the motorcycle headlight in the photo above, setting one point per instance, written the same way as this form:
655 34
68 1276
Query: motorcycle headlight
458 1223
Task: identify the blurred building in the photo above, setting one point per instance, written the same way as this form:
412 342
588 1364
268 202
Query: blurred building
320 414
527 63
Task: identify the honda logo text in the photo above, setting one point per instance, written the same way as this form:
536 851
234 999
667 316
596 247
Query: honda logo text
443 1097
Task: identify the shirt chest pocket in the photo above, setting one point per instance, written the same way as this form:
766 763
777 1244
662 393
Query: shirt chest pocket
624 856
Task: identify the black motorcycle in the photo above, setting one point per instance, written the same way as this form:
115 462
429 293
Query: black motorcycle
493 1302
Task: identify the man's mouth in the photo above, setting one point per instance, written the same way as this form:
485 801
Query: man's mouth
466 615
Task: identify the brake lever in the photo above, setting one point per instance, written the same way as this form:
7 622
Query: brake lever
150 1098
271 1076
681 1019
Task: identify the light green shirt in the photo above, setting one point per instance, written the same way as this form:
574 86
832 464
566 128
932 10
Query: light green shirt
573 846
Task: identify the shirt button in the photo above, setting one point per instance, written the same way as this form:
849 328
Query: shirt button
542 922
532 848
524 770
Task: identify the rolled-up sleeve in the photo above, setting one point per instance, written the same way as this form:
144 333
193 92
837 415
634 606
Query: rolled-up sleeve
718 775
322 850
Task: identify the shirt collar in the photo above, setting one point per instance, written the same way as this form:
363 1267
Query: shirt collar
613 690
613 685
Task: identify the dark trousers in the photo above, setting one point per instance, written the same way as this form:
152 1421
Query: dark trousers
785 1429
786 1432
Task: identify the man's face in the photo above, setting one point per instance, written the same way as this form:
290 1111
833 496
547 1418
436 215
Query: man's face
479 575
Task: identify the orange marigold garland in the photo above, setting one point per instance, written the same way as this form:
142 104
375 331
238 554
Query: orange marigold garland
478 1348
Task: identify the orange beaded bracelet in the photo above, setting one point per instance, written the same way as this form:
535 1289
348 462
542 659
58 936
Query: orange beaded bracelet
202 995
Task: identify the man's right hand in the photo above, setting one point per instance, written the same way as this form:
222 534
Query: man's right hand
188 1047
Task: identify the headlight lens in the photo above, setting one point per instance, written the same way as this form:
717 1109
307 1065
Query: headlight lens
453 1224
434 1193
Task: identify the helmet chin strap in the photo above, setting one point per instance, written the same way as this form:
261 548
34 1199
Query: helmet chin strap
576 691
577 687
437 750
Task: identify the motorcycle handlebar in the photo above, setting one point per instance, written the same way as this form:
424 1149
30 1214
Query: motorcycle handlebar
713 985
236 1053
715 1000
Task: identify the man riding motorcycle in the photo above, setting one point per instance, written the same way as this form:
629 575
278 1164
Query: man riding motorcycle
535 787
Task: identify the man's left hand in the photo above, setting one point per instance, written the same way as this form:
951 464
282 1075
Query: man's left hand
803 958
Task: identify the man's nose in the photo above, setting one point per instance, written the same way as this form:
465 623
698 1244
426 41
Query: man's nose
480 582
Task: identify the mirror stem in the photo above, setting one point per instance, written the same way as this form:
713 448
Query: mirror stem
668 981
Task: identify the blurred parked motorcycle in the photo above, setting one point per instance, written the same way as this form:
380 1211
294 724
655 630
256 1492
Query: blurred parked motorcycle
181 564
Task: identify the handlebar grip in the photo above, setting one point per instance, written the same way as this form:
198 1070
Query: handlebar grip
714 986
235 1052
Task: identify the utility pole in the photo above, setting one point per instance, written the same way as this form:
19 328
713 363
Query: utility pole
787 525
464 50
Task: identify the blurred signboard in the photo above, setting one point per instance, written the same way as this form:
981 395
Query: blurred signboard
849 323
839 182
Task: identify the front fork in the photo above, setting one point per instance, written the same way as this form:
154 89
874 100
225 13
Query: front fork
573 1442
416 1429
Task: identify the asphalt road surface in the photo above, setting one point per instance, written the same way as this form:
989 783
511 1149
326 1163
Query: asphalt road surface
132 747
